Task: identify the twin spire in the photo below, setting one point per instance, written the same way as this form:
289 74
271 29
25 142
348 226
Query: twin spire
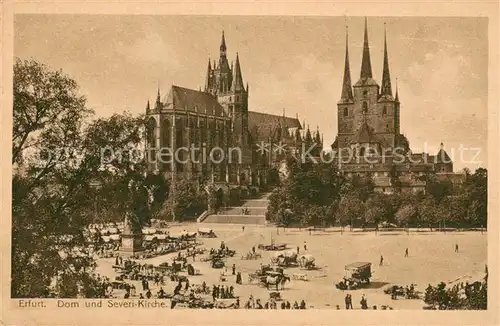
366 65
366 76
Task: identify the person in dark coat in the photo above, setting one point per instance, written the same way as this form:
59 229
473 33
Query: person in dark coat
231 293
346 301
187 285
406 252
381 260
456 247
298 250
238 278
302 304
117 261
234 269
288 305
350 302
148 294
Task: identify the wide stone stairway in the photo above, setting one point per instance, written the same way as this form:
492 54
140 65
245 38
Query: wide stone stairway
251 211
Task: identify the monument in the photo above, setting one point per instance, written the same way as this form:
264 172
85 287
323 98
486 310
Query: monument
131 237
132 230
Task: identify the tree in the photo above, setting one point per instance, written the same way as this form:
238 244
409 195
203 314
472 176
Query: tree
378 209
309 195
350 211
437 188
50 182
406 214
184 201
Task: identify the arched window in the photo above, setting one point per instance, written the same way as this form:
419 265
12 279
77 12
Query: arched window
362 151
384 111
151 132
346 112
365 108
365 93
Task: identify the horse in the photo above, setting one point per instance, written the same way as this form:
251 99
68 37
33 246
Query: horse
276 280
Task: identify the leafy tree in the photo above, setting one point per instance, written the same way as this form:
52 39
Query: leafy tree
406 214
350 211
185 200
439 189
50 182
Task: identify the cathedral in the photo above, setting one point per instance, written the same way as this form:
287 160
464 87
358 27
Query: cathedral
217 122
369 140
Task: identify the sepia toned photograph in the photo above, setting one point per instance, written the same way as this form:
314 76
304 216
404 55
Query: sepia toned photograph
250 162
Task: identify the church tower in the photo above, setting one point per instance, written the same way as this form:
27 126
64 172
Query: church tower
226 83
368 115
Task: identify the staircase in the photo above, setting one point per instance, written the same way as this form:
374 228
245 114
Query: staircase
256 212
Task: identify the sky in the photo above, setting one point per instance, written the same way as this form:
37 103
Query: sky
290 63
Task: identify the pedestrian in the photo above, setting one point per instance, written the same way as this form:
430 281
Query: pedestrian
187 285
243 228
141 296
238 278
381 260
253 249
363 302
346 301
231 291
283 305
406 252
117 261
456 247
234 269
305 246
350 302
148 294
302 304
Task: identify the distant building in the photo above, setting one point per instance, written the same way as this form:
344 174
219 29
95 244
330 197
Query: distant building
369 140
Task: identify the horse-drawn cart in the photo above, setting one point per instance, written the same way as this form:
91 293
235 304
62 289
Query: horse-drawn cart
206 233
357 275
307 262
273 247
285 259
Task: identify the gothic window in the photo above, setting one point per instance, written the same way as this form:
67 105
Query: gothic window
365 93
384 111
151 131
387 126
365 108
346 112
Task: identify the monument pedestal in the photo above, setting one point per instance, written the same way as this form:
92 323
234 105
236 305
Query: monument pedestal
131 244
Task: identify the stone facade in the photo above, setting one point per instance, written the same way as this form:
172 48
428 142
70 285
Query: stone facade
369 140
217 120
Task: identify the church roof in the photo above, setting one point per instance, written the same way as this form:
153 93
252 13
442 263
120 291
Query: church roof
442 157
263 125
364 135
366 82
186 99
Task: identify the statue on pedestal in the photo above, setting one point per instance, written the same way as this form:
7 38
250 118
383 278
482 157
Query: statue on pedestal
132 231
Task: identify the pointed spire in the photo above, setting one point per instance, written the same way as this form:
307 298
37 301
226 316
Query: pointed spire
223 45
148 107
158 100
207 82
346 86
237 79
366 66
397 96
386 77
247 88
